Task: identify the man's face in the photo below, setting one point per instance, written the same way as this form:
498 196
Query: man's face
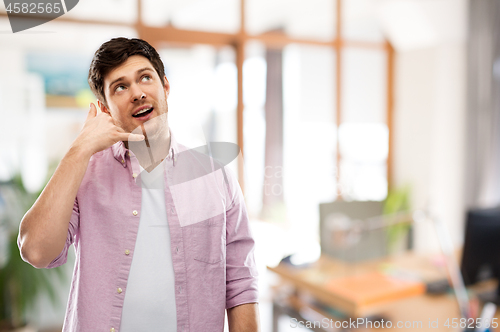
134 95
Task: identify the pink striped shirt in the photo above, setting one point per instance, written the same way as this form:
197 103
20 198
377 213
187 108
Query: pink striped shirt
211 244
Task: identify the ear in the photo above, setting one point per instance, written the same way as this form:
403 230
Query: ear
103 108
166 86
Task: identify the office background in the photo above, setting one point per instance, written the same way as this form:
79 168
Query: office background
349 100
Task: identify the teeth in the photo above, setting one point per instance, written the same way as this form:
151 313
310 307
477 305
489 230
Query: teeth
142 111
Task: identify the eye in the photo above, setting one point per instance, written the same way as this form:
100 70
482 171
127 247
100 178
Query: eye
146 78
120 88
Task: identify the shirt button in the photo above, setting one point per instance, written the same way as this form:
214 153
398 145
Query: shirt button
134 175
177 249
180 289
129 154
112 329
134 212
119 290
127 252
123 161
172 209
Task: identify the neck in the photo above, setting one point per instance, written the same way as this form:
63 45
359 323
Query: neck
151 152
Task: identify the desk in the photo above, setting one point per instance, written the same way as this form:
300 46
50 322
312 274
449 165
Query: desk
302 288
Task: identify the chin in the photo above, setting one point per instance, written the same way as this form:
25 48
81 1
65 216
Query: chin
151 127
154 127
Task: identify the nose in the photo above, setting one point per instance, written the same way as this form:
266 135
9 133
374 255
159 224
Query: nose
137 93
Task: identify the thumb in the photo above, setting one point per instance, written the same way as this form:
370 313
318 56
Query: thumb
92 111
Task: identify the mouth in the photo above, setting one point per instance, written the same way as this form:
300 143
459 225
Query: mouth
143 112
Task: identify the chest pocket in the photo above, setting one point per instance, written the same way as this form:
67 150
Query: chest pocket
207 240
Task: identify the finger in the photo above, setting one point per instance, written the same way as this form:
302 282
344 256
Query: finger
92 111
133 137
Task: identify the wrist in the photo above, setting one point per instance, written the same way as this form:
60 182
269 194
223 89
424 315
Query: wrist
80 152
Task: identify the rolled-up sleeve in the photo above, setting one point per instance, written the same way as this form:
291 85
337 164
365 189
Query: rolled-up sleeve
241 270
72 231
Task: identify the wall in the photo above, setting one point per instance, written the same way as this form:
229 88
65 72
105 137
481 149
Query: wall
429 119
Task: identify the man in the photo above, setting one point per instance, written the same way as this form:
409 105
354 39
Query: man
162 242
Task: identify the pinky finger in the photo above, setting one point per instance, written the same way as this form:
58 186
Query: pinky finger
134 137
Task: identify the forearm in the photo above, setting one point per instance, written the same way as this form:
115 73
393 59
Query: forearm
43 230
244 318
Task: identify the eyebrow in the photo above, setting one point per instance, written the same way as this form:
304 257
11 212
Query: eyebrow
123 77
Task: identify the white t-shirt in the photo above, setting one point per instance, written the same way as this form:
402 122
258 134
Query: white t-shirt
149 303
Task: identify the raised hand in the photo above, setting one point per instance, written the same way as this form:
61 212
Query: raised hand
100 132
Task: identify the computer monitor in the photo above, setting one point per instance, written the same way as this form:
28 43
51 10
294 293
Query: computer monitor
481 252
369 245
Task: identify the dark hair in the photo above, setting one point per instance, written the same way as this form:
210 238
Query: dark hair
113 53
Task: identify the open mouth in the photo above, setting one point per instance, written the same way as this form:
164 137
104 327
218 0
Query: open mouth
143 112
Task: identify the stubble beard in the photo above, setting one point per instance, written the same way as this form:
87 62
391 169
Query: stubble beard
158 135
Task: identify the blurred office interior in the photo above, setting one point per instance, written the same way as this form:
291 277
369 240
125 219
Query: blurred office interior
332 102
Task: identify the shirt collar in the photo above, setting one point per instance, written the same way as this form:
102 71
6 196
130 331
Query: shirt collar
120 151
